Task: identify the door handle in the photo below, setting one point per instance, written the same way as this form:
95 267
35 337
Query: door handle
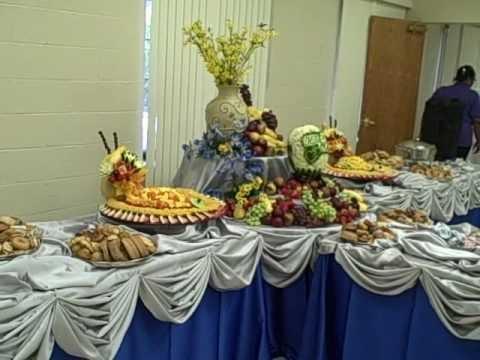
367 122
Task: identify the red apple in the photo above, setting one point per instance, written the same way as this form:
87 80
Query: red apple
261 127
258 150
279 181
288 219
277 211
277 221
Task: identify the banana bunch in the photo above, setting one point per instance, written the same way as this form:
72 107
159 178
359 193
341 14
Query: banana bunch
352 194
265 140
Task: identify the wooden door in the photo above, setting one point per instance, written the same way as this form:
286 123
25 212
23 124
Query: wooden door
394 60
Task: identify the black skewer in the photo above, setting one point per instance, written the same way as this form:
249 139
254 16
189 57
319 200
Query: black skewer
105 144
115 140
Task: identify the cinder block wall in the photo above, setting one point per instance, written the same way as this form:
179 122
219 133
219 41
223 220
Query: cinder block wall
68 68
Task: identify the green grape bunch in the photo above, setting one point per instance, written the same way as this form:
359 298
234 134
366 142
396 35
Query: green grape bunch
319 208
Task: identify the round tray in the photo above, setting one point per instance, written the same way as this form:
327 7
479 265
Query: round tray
360 176
151 229
119 264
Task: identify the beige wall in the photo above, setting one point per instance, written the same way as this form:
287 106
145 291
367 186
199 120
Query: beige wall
67 70
352 59
302 61
446 11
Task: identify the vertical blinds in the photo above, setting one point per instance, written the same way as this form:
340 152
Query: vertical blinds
180 84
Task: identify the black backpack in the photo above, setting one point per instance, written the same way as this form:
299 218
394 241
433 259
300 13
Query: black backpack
441 125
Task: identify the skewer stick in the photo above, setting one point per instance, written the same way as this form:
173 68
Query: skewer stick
115 140
104 141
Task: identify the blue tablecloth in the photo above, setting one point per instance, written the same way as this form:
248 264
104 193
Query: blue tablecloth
226 325
323 315
473 217
344 322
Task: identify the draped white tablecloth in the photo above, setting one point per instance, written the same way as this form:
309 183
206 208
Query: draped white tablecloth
50 296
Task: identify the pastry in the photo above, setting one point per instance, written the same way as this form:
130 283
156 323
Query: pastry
366 232
433 171
408 216
109 243
130 248
16 238
383 158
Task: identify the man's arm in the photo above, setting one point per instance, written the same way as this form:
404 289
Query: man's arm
476 130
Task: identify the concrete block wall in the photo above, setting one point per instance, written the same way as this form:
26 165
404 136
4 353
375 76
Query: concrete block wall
68 68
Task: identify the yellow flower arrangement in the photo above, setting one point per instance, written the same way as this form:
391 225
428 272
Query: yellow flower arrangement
227 56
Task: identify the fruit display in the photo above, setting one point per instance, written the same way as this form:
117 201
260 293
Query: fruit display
16 238
262 129
121 169
294 202
433 171
366 232
129 201
308 150
110 244
163 206
407 217
356 168
338 146
383 158
264 139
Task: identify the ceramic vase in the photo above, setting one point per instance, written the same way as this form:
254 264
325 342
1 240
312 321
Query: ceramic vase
227 112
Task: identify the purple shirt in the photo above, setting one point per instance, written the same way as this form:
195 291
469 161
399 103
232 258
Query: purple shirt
470 99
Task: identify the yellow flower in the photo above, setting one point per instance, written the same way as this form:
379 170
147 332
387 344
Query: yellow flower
224 148
226 56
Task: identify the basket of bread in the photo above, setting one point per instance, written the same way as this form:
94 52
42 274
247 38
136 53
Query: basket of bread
110 246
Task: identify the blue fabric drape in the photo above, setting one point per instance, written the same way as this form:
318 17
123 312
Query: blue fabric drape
473 217
346 322
226 325
321 316
285 310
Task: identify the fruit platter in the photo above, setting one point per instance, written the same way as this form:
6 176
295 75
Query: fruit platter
17 238
383 158
434 171
109 246
356 168
261 130
337 143
366 232
410 217
158 209
304 202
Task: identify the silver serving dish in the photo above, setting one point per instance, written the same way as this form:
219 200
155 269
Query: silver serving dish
416 150
34 232
121 264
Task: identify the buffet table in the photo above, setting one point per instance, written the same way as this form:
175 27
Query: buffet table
275 309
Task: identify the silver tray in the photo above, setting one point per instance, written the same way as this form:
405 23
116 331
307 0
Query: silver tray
37 232
119 264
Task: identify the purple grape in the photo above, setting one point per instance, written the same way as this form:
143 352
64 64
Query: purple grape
246 94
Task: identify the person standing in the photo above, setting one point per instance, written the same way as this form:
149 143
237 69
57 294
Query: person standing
463 92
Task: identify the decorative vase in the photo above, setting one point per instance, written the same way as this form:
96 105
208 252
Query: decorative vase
227 112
